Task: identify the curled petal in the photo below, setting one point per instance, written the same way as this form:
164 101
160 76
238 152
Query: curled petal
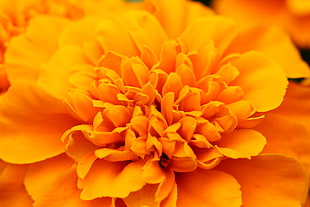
241 143
63 191
106 179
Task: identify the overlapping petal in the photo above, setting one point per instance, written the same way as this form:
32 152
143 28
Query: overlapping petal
31 131
272 180
12 189
211 188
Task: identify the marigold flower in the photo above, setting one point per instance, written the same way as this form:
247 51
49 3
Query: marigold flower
133 109
292 15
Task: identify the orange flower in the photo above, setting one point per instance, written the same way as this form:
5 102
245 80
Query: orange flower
292 15
134 109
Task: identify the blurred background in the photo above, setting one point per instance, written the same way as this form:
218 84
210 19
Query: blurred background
305 53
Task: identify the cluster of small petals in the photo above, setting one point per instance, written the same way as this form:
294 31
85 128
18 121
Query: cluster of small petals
160 111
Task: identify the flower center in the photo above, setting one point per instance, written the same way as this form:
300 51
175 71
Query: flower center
161 108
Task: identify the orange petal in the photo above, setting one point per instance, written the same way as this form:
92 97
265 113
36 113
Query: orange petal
77 146
196 36
167 18
81 33
267 180
207 188
134 72
183 13
143 197
42 174
29 131
171 200
146 31
108 179
28 52
274 43
263 82
63 191
12 189
114 34
183 159
54 77
241 143
80 104
119 115
296 104
167 105
287 137
173 84
188 127
115 155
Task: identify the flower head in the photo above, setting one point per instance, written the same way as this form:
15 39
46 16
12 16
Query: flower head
145 112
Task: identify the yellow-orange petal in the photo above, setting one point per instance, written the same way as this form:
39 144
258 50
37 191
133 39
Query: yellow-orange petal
12 189
263 81
82 34
184 12
80 105
208 188
196 37
143 197
26 53
287 137
296 104
171 200
241 143
41 175
114 155
114 34
168 18
31 123
116 180
145 31
63 191
275 44
54 76
269 180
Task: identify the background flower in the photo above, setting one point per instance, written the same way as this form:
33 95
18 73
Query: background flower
292 15
144 111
